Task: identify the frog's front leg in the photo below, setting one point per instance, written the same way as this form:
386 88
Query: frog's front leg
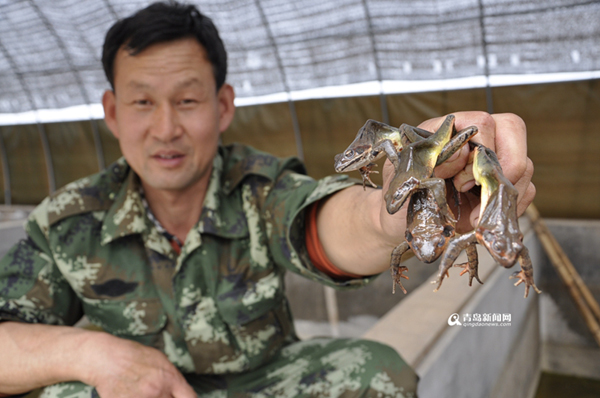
456 143
395 267
437 186
365 174
471 266
526 273
455 246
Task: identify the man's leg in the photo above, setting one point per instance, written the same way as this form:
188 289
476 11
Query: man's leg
330 368
72 389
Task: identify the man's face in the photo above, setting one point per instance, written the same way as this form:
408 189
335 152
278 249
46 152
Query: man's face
167 115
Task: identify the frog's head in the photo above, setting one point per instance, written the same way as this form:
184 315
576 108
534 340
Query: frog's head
353 158
429 246
504 249
361 151
396 197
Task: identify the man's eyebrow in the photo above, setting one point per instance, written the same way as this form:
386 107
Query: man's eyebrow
193 81
138 85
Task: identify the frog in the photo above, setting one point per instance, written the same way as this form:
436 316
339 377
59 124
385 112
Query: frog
373 141
417 161
497 228
427 234
430 223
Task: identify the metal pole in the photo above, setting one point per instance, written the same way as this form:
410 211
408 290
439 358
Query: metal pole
5 171
98 144
84 95
286 87
382 99
488 89
47 157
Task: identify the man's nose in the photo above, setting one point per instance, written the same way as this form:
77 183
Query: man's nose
166 126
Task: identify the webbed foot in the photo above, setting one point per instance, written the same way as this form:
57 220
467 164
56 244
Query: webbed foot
472 270
397 277
472 264
365 172
527 278
440 279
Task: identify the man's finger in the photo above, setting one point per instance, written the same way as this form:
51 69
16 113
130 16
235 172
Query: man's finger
181 389
526 188
511 145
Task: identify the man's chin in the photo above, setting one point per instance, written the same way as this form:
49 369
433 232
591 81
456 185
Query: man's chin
172 184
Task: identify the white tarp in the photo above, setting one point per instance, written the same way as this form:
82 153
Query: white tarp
50 49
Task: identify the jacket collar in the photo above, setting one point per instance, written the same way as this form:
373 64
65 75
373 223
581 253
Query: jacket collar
222 214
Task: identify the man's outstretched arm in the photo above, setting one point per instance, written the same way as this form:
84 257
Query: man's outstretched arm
36 355
357 233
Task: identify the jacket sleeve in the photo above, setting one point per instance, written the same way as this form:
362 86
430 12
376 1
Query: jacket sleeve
32 289
286 206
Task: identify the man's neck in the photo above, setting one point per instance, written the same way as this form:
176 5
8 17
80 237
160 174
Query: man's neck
178 211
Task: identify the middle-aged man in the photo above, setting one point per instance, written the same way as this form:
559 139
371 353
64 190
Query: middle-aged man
178 250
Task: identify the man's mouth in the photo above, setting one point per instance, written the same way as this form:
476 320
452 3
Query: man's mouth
168 156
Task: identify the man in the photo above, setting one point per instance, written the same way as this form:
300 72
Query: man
178 250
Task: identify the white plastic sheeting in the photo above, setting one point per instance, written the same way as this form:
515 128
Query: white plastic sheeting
50 49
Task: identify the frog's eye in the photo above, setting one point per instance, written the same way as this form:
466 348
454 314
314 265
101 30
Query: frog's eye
499 246
349 153
359 151
448 231
488 236
409 236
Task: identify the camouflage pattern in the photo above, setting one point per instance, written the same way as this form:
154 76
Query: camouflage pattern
313 368
218 308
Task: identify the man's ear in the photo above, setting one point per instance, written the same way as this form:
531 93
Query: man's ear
225 97
110 112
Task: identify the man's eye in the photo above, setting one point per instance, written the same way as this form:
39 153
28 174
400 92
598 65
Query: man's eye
142 102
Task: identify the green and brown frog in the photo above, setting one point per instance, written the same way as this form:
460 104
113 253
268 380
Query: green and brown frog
417 161
497 228
430 223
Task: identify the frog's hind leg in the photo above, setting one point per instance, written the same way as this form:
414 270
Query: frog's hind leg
395 267
437 186
454 248
471 266
455 143
526 273
411 134
365 172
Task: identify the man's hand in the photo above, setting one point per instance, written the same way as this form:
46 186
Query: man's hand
121 368
37 355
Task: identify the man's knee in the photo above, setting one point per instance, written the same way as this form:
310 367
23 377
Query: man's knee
383 372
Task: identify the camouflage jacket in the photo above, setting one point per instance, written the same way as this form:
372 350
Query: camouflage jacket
218 307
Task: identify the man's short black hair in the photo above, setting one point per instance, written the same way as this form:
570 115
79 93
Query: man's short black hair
163 22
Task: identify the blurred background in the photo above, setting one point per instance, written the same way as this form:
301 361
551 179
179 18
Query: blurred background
309 73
